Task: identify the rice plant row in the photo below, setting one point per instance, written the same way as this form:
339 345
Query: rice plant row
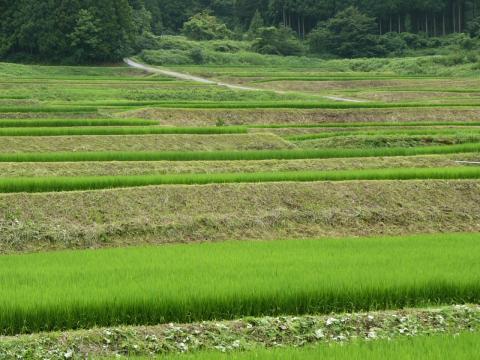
137 130
184 283
461 346
45 123
51 184
237 155
367 124
399 132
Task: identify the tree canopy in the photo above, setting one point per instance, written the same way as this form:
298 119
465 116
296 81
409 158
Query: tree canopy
100 31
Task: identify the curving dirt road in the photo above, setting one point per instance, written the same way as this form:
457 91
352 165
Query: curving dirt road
188 77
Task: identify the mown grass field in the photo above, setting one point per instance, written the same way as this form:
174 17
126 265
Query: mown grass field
131 198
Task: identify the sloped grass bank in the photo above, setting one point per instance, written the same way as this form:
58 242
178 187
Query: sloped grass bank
269 211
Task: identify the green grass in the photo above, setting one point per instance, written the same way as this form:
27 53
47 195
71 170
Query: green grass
291 105
184 283
398 132
237 155
464 346
49 184
40 123
341 125
151 130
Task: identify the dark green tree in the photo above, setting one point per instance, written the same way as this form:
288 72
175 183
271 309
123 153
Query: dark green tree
349 34
204 26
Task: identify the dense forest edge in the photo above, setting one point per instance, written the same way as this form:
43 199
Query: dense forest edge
87 31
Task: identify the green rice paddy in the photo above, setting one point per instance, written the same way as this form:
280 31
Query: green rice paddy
238 155
145 285
49 184
183 283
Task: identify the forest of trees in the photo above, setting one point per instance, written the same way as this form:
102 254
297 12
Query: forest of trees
106 30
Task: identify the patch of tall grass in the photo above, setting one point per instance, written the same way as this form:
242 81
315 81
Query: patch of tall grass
238 155
184 283
50 184
148 130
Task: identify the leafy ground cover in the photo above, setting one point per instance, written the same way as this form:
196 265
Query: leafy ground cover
253 335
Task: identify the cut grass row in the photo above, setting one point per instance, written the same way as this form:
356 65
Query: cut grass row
51 184
184 283
111 130
464 346
238 155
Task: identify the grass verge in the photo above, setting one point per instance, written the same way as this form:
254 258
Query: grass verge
50 184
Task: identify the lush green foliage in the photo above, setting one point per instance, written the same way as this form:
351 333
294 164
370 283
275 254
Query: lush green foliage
204 26
277 41
76 30
349 34
213 281
49 184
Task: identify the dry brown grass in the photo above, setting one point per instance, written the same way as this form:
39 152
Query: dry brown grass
168 167
239 211
143 143
203 117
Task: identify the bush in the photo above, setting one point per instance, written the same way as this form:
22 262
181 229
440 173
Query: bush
197 56
166 57
415 41
349 34
457 58
204 26
393 43
277 41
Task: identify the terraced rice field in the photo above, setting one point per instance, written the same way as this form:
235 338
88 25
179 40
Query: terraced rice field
128 198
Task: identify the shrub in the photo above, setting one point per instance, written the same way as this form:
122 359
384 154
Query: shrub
277 41
204 26
393 43
197 56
